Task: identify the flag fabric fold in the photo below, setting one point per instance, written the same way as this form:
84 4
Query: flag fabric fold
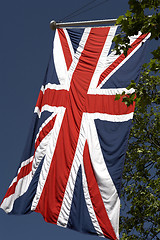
72 165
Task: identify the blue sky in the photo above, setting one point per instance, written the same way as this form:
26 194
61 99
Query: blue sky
25 47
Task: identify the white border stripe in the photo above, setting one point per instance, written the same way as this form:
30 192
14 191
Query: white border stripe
21 188
48 158
14 180
111 91
106 186
111 118
68 196
56 87
59 59
90 206
44 124
103 59
67 200
24 163
78 53
112 57
49 109
45 108
41 150
37 110
69 42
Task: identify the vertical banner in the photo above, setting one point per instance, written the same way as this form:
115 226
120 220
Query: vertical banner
72 166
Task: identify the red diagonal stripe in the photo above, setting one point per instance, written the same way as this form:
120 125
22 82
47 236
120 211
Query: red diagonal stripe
65 47
121 58
44 132
23 172
39 100
96 198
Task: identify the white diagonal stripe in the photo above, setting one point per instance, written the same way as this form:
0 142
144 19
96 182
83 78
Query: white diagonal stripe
69 42
112 57
68 196
106 186
21 188
59 60
89 205
103 59
50 148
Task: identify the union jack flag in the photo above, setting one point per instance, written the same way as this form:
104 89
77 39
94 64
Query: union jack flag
72 166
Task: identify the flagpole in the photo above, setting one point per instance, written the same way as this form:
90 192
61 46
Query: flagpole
54 24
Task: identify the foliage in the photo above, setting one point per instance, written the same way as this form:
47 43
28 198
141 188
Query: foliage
141 178
138 18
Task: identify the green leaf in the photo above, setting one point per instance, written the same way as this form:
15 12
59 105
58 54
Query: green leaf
141 176
119 20
117 97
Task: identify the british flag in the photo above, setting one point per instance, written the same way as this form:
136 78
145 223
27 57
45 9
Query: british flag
72 166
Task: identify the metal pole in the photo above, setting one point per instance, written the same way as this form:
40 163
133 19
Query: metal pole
54 25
